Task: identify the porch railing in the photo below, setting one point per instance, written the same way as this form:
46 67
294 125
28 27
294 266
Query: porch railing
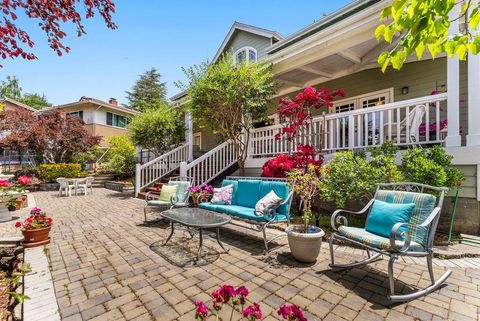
418 121
154 170
211 164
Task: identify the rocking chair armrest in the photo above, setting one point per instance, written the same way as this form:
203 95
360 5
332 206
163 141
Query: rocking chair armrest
173 200
431 217
394 233
336 219
289 197
149 197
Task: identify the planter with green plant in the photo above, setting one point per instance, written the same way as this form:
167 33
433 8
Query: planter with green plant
305 240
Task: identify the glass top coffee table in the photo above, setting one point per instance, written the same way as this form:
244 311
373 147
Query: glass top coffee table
196 218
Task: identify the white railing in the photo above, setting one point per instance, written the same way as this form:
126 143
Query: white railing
410 122
152 171
210 165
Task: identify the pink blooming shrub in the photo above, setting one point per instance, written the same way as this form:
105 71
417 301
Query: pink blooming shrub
291 313
237 298
282 164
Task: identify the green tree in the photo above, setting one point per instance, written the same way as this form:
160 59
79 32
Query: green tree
35 100
11 88
148 91
158 129
228 97
121 157
423 25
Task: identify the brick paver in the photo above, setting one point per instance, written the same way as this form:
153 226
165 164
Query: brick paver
107 265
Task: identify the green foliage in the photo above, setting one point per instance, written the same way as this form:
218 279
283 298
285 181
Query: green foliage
423 25
227 97
120 158
35 100
158 129
10 87
353 176
430 166
148 92
88 157
50 172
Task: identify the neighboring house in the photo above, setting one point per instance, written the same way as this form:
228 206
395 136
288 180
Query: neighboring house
105 119
11 104
411 106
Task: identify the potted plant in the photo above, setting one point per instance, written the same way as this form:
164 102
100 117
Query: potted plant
305 240
200 193
36 228
9 195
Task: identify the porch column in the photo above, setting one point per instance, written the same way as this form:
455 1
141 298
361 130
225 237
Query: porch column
189 134
453 88
473 137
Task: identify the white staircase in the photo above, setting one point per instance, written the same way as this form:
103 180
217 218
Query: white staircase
154 170
211 164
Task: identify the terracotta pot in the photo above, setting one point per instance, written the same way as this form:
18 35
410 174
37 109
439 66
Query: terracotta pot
305 247
36 237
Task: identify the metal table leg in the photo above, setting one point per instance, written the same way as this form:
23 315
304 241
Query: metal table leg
200 231
220 243
171 233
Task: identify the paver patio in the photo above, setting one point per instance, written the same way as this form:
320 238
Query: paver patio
107 265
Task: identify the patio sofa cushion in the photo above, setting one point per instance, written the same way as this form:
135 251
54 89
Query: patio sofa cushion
373 240
226 182
248 192
167 192
280 188
383 216
425 203
242 212
182 190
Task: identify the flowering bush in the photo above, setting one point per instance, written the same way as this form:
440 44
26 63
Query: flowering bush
282 164
237 297
200 190
23 180
38 219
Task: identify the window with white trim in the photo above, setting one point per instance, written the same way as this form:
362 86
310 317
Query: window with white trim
116 120
372 99
247 54
76 114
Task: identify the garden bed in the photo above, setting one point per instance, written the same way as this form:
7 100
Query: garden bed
121 187
11 277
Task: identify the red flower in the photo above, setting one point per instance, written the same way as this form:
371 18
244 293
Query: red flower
49 220
18 224
24 180
4 183
29 220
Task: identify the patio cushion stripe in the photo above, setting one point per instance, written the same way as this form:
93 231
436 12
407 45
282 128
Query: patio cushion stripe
373 240
425 203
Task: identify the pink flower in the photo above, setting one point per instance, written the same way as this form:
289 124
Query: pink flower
4 183
202 310
24 180
253 312
35 210
291 313
18 224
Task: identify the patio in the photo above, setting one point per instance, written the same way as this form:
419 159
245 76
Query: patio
107 265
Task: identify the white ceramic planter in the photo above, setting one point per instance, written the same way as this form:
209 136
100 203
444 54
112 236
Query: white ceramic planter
305 247
5 214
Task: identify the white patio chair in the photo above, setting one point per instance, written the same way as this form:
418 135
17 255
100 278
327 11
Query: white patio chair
85 185
65 188
410 133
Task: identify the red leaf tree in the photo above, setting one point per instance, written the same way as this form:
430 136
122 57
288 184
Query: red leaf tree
53 135
16 42
297 113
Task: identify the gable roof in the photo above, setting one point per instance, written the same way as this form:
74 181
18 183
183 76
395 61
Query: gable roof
247 28
19 104
95 101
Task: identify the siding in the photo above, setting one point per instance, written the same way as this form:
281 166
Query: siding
469 186
246 39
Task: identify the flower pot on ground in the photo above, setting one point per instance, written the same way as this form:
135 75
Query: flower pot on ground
36 228
305 240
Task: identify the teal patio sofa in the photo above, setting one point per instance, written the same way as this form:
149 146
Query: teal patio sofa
247 191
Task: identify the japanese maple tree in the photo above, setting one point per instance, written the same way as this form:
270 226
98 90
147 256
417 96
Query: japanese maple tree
16 42
53 135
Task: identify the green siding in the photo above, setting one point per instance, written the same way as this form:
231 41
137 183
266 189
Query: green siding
245 39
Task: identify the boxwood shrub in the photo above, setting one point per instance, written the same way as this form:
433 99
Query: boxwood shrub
50 172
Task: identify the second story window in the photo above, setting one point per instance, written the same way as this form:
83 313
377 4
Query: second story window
247 54
76 114
116 120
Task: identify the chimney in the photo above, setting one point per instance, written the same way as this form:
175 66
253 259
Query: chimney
113 101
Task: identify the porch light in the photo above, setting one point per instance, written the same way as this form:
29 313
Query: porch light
405 90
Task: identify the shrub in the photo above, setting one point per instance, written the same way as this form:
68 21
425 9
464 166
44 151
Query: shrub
50 172
430 166
120 158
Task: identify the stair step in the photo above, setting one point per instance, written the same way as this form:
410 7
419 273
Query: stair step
154 190
142 195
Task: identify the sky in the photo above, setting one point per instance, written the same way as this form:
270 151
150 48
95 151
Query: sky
167 35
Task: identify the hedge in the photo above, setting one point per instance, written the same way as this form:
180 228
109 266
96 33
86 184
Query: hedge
50 172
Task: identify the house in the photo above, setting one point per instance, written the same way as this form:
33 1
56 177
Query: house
7 104
105 119
411 106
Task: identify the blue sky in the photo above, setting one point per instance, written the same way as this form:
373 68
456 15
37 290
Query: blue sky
151 33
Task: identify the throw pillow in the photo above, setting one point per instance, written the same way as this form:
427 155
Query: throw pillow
222 195
268 202
383 216
166 192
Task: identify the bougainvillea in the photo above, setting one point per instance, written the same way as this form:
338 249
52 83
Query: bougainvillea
14 41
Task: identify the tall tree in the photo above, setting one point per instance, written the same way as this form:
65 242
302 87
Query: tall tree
148 91
10 88
423 25
54 136
16 42
36 101
158 129
228 97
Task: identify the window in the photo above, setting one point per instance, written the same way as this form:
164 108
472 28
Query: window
373 99
76 114
116 120
247 54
